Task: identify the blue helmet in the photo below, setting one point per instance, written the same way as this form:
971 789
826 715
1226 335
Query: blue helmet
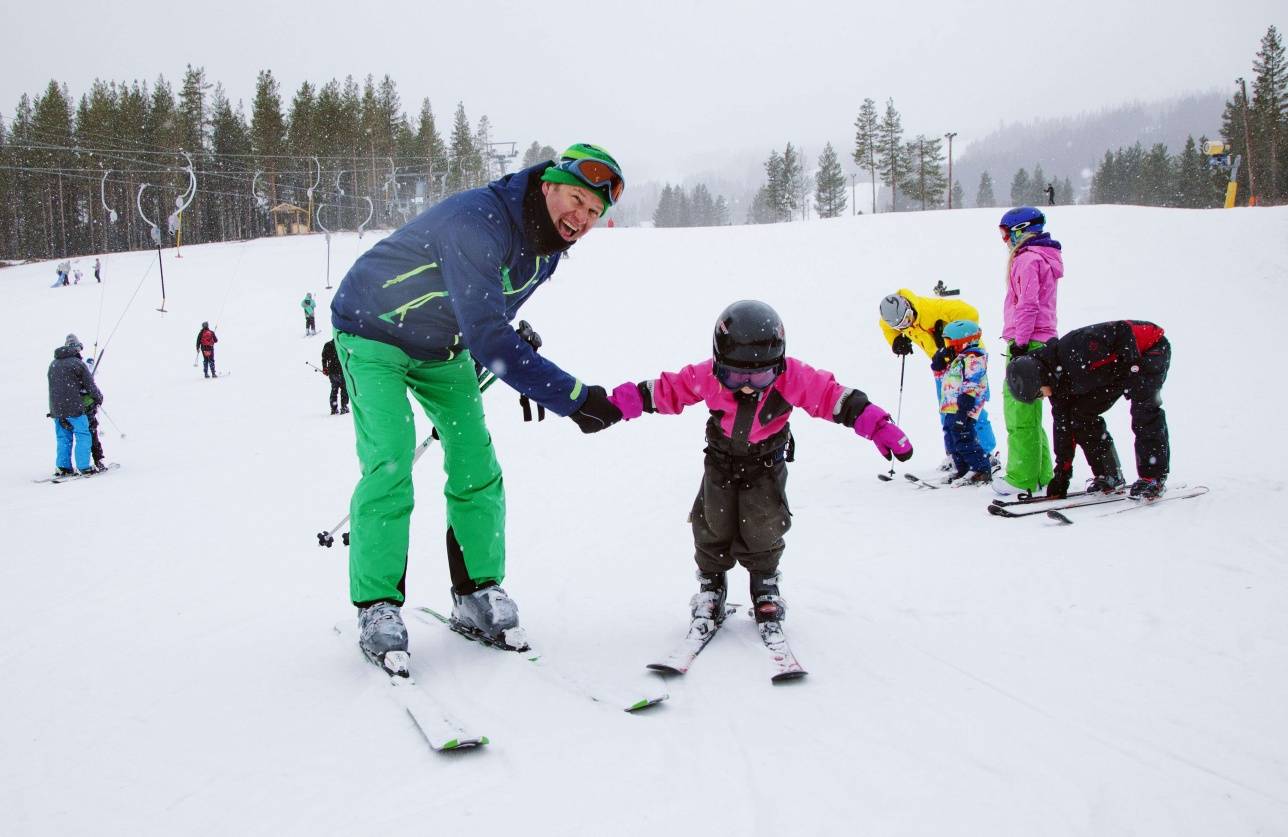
1023 219
961 333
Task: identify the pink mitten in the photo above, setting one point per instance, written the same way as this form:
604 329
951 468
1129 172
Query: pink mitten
874 423
626 397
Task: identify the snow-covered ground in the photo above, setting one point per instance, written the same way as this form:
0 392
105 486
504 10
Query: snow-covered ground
169 664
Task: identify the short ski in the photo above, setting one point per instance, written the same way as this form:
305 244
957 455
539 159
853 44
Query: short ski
786 666
439 730
682 656
57 478
610 695
1024 499
1179 493
919 481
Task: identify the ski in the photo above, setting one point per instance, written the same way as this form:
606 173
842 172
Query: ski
1025 499
786 666
919 482
1059 504
60 478
1179 493
611 695
440 731
681 658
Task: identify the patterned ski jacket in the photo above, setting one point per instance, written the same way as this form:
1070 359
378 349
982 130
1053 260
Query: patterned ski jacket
453 278
966 375
933 313
1034 268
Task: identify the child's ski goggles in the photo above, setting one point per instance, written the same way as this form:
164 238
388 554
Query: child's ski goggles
597 174
758 379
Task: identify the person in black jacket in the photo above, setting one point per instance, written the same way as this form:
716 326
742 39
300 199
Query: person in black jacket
331 368
1084 373
69 380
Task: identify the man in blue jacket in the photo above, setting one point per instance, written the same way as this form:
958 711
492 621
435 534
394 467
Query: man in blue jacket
416 313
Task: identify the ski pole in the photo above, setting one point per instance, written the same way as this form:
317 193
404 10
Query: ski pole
196 358
306 363
327 538
114 424
898 413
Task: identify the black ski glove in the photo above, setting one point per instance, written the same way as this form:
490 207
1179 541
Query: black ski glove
66 425
597 413
965 403
1058 487
902 345
939 362
1019 351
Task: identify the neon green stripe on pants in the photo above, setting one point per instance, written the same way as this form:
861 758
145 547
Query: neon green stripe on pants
379 377
1028 450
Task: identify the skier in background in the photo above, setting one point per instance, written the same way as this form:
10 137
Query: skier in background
310 326
206 341
1084 373
331 368
69 380
907 319
961 368
750 386
98 266
1050 193
1034 267
416 312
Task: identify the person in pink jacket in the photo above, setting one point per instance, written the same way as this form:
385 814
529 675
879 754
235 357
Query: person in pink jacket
1028 323
750 386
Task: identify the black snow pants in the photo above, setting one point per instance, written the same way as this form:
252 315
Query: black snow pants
741 512
339 390
1083 416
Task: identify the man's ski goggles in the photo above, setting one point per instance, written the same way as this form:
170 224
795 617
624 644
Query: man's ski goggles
757 379
597 174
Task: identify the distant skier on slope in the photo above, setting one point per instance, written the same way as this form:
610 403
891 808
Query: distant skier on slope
69 379
331 368
310 325
416 312
1084 373
206 341
750 386
907 318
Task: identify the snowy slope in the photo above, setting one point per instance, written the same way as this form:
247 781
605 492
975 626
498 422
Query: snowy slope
168 659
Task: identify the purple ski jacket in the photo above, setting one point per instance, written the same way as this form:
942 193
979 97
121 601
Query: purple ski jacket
1029 310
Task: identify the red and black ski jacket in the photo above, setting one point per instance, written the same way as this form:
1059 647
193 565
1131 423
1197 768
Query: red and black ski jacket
1096 357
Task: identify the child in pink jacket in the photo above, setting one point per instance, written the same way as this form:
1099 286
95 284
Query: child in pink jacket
750 386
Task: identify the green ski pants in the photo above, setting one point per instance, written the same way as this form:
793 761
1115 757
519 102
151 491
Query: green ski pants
379 377
1028 451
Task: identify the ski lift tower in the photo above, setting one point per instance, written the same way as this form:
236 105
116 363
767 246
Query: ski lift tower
499 154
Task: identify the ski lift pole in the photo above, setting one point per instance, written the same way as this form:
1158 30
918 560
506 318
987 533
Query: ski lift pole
327 538
317 219
156 239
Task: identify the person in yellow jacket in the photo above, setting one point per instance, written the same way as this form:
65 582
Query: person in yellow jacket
907 319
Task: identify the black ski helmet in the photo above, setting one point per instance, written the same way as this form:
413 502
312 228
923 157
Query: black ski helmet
749 335
1024 378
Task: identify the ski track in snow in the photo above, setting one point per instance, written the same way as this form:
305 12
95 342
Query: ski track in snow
170 665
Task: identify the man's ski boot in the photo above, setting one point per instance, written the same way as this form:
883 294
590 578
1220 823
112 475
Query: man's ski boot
65 472
1148 488
971 478
383 637
490 616
766 604
709 601
1106 484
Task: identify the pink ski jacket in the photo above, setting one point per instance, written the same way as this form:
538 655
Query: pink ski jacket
1029 310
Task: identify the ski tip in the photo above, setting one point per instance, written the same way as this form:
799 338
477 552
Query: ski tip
463 743
788 676
645 703
1060 518
1000 511
663 668
885 477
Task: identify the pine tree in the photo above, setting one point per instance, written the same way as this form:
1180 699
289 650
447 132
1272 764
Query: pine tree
702 207
959 195
892 164
1269 116
429 144
1036 195
792 183
925 182
664 215
721 217
486 171
1064 193
51 125
1020 185
866 143
1190 177
829 193
775 191
984 194
268 129
1156 177
683 208
462 154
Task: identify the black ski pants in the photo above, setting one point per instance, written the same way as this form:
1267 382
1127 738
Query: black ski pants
1082 418
95 447
338 389
741 513
207 364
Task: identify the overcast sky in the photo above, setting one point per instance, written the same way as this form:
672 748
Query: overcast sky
665 86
